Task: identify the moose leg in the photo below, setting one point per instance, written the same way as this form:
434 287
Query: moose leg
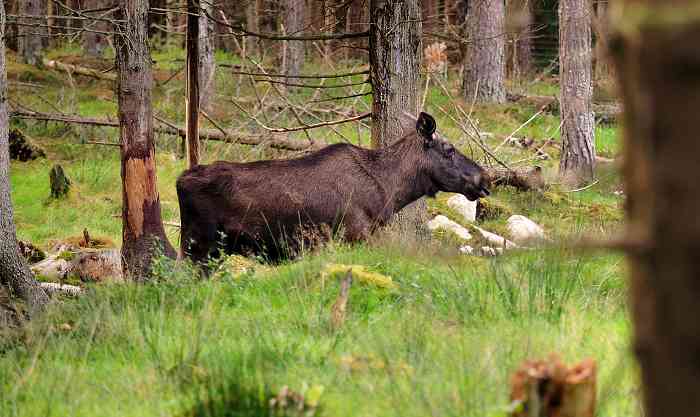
357 230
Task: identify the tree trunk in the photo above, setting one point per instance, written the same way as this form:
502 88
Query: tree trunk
95 43
357 20
252 24
142 233
193 82
14 271
518 27
484 66
294 25
656 58
602 68
577 131
30 45
207 64
394 51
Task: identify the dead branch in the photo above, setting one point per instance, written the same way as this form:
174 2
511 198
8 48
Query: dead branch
275 37
274 140
75 69
523 179
604 113
266 74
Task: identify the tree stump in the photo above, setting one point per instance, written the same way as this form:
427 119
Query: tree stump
60 184
549 388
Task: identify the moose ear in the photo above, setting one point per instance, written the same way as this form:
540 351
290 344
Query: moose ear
425 125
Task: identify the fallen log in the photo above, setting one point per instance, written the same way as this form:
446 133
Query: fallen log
274 140
604 113
75 69
55 288
523 179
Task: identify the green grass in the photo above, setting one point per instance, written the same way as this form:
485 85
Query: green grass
444 343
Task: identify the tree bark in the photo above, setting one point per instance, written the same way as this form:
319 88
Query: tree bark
252 24
207 64
518 27
294 25
143 234
657 56
602 68
14 271
357 20
484 66
193 44
94 43
30 43
394 50
577 131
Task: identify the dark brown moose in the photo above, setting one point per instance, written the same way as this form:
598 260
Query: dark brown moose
270 208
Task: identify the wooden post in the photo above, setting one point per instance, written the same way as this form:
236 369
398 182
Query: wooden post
192 107
549 388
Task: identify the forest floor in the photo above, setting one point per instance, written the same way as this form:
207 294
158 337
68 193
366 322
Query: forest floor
443 342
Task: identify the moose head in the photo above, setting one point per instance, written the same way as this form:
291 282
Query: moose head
449 170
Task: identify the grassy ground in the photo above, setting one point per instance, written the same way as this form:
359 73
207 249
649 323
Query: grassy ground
443 343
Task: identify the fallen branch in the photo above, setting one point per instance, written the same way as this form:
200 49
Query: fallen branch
604 113
54 288
523 179
75 69
274 140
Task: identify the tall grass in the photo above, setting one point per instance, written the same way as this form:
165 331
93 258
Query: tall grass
443 344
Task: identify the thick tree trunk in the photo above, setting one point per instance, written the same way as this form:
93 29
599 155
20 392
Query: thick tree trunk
577 131
294 25
207 64
657 58
14 271
95 43
143 234
484 65
394 50
30 43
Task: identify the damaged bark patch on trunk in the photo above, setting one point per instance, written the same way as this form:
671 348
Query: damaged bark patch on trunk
141 192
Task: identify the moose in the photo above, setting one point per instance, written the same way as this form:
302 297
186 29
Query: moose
271 208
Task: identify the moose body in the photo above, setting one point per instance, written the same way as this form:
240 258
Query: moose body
272 207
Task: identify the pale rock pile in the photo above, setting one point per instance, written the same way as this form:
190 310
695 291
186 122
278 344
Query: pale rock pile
522 230
443 223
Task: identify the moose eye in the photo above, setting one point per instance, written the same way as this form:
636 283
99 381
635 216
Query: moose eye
450 151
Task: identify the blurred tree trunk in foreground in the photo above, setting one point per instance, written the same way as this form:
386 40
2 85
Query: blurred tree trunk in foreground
14 271
143 234
394 51
658 66
577 131
484 64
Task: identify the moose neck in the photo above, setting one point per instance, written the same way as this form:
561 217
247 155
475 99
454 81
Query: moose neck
403 170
